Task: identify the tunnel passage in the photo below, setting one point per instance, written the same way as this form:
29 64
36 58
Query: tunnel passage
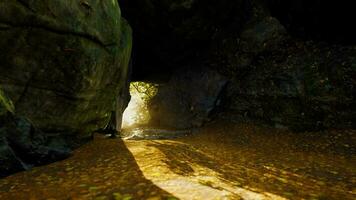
137 112
287 61
184 102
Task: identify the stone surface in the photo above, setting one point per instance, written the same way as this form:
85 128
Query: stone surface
21 145
315 19
286 82
278 77
302 86
187 99
173 34
64 63
265 34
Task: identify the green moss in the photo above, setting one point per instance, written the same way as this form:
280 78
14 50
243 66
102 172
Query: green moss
74 76
6 104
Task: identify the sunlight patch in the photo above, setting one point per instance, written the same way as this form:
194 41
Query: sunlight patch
202 183
137 113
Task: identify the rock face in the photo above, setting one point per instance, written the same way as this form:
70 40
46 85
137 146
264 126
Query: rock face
289 83
187 99
64 63
21 145
302 86
276 78
173 34
315 19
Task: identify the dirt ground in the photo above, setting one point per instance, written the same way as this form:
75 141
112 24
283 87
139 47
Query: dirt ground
221 161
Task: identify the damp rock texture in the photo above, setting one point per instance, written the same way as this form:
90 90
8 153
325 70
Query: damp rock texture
291 64
188 99
22 146
64 63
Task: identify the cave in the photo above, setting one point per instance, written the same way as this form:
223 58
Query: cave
184 99
137 112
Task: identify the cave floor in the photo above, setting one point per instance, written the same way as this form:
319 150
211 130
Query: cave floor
221 161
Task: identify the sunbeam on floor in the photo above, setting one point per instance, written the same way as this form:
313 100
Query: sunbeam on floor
221 161
195 181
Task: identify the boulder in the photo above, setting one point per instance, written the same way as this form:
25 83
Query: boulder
64 63
289 83
264 34
301 86
187 100
22 145
260 35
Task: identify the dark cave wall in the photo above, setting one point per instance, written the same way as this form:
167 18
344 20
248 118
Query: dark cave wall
173 34
316 19
169 34
291 64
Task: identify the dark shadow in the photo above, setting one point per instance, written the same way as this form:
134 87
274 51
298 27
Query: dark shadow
180 157
102 168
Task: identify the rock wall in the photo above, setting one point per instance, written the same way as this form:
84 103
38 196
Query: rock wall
187 99
299 85
284 69
316 19
63 63
22 146
174 34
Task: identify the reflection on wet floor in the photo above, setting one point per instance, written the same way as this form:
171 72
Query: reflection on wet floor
220 161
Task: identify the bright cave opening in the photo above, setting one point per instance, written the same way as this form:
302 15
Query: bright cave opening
137 112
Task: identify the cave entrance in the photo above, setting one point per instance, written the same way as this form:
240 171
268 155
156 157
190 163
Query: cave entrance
176 107
137 113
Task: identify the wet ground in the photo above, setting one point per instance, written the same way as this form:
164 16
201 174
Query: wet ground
221 161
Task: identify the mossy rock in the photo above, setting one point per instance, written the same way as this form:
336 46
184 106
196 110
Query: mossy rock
6 104
63 63
21 144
